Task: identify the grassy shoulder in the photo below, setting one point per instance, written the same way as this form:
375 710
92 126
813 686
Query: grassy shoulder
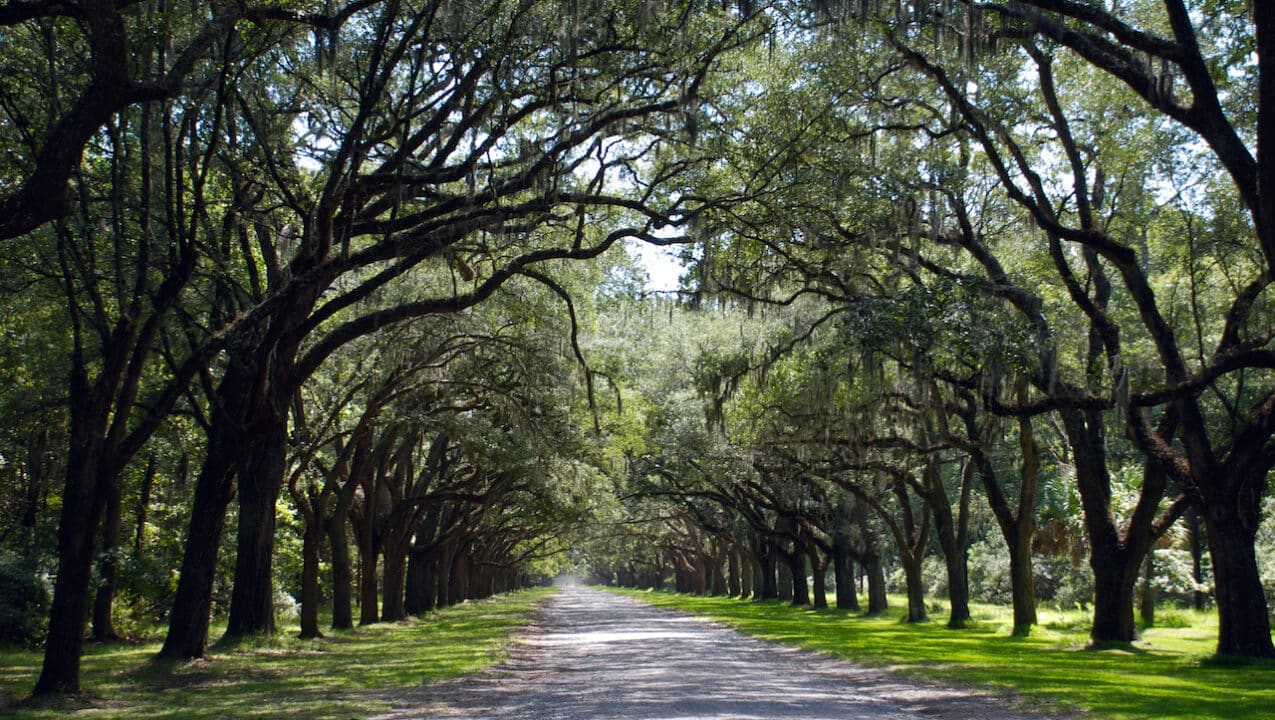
1169 673
347 674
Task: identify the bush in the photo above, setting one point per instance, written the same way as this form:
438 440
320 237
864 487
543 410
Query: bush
25 592
989 573
1060 582
1171 617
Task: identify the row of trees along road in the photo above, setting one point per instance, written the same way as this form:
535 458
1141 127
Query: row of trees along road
205 204
1004 259
1034 225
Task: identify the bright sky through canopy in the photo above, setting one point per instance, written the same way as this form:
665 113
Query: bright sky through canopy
661 264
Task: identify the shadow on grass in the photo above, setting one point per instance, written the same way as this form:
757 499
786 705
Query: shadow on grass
1160 676
343 675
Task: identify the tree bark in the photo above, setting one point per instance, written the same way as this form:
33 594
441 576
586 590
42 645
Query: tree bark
419 594
192 605
310 540
1022 582
1146 604
1198 596
260 481
1243 623
733 567
951 537
877 602
843 575
82 501
144 503
795 562
769 581
717 576
915 586
444 578
369 606
109 569
786 577
1114 585
819 570
342 571
393 607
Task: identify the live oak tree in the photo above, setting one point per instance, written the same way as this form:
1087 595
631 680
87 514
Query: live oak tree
434 155
1209 389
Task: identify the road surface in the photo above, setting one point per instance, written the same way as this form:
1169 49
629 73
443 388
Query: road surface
597 655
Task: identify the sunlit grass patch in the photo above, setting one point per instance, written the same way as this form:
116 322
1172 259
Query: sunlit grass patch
347 674
1168 673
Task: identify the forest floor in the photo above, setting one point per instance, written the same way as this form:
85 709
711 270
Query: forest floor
594 654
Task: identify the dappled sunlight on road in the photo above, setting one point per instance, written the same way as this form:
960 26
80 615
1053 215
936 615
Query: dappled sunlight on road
599 637
597 655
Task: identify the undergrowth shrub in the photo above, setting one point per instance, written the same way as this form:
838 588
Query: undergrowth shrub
25 592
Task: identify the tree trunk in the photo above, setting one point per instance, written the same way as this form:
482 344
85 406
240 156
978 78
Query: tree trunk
227 439
369 607
1017 529
342 571
310 539
783 567
444 577
769 582
819 569
843 575
717 576
192 605
393 606
144 503
419 593
951 541
1243 623
1022 585
460 576
1115 580
82 501
958 586
915 587
733 584
877 602
1198 596
260 481
109 570
1146 605
795 562
1114 567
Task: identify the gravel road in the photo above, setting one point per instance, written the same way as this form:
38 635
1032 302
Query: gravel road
597 655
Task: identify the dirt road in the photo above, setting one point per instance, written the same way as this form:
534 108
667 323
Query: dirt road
597 655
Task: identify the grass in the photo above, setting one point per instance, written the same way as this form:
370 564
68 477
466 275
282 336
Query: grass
347 674
1168 673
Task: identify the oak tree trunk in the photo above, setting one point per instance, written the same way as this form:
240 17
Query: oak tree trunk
81 507
260 481
877 602
393 607
342 571
310 596
109 569
843 575
1243 623
819 570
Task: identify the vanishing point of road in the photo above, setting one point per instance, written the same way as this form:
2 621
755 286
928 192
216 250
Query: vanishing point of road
598 655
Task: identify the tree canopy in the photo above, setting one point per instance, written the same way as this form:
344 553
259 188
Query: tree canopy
298 295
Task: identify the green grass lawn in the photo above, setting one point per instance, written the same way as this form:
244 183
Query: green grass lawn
347 674
1169 673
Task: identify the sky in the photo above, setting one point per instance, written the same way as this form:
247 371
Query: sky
662 265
